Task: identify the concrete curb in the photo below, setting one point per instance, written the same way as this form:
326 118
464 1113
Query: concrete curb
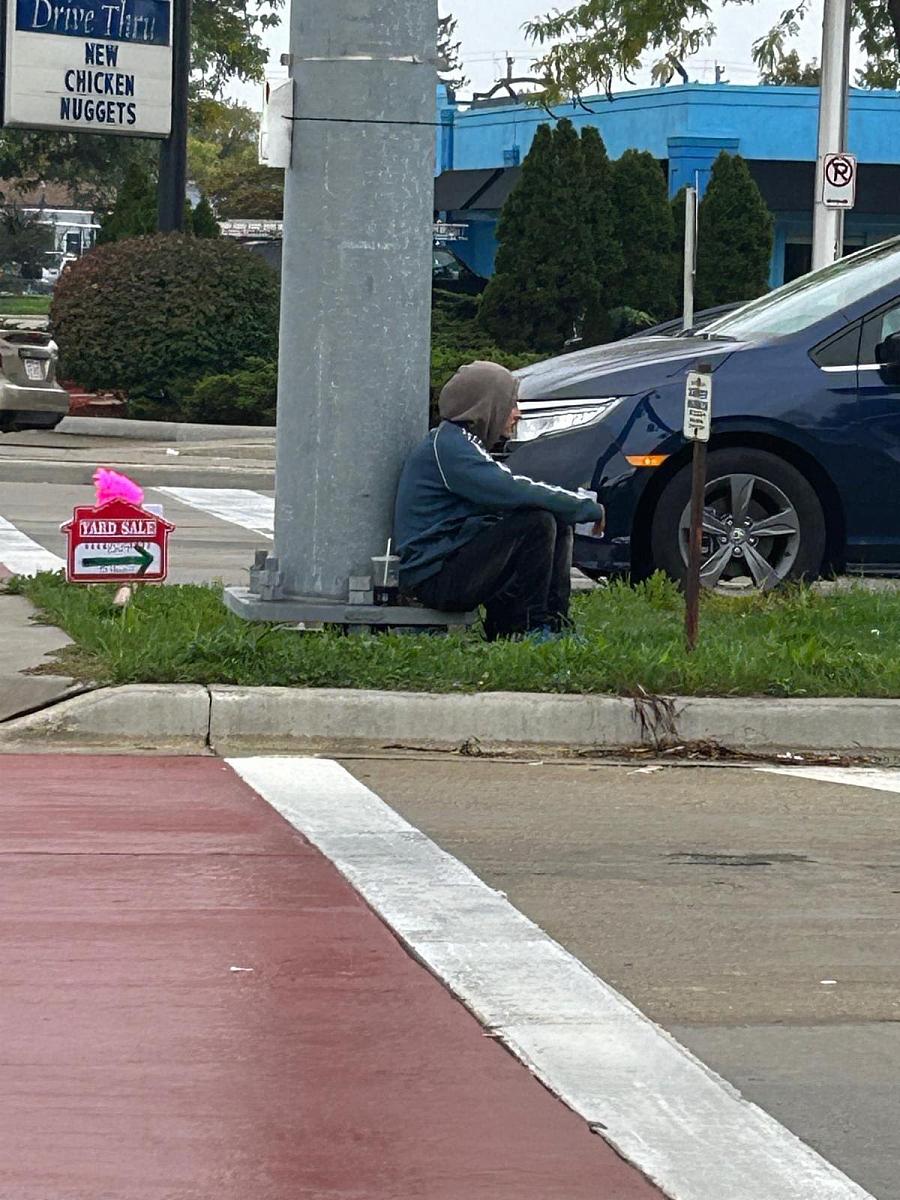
194 718
161 431
137 717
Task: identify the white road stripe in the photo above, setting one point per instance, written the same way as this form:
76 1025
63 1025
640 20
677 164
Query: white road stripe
689 1131
868 777
238 506
22 556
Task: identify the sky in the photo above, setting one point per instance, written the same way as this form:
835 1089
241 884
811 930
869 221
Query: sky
488 31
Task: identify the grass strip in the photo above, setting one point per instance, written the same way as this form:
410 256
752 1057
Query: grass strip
25 306
799 642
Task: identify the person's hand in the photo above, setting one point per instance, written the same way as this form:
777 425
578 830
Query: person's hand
599 527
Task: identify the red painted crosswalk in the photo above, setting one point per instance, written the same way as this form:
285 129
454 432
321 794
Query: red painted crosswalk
197 1004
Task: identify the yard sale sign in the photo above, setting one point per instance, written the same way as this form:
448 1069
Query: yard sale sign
89 66
117 542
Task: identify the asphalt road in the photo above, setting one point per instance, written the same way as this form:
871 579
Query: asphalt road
755 916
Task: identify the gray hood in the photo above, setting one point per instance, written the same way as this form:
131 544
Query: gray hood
481 395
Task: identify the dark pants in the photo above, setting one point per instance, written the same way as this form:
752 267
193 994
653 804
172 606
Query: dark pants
519 569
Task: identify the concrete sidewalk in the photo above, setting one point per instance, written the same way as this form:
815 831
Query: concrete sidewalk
199 1005
23 647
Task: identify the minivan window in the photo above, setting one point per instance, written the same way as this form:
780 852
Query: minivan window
878 327
807 300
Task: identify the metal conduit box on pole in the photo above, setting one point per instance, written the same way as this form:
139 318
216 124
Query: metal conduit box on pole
356 302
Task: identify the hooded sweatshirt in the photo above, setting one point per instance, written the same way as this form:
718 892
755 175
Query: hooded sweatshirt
451 489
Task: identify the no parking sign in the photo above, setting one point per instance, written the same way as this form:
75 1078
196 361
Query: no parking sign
839 181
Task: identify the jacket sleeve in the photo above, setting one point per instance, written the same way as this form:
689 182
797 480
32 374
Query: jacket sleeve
468 470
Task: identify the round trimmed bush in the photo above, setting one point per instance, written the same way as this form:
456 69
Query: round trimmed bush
151 316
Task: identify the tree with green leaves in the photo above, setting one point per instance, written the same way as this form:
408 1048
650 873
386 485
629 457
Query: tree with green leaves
734 246
646 232
790 72
606 248
545 281
223 162
450 71
203 220
135 211
597 42
24 241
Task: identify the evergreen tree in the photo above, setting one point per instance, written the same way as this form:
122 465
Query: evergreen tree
512 300
646 233
735 239
136 209
545 280
204 220
606 247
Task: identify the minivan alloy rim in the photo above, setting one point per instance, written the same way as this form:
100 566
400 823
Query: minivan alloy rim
750 528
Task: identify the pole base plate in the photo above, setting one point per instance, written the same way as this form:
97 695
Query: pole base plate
310 609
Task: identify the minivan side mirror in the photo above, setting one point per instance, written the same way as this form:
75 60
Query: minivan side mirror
887 353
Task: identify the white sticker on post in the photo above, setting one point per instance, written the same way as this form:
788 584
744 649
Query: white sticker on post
698 406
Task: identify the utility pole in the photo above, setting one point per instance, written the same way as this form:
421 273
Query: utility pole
356 298
173 151
828 223
690 254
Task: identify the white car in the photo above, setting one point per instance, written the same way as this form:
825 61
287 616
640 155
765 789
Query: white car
30 397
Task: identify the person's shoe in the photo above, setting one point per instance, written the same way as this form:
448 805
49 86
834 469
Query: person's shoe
542 635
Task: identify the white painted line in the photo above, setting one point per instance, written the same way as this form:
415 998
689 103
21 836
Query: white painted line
238 506
868 777
685 1128
22 556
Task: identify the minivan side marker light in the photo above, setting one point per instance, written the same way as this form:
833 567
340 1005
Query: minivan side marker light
646 460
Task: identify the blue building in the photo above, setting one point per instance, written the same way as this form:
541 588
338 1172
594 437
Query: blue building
481 147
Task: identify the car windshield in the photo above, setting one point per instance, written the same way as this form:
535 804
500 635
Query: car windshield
802 303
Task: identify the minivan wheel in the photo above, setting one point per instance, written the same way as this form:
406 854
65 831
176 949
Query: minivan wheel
763 524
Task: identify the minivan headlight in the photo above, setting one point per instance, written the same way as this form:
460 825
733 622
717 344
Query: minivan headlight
539 419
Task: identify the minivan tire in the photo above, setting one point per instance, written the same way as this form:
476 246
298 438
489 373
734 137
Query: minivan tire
774 476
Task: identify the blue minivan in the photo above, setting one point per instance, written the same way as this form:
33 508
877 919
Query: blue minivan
804 462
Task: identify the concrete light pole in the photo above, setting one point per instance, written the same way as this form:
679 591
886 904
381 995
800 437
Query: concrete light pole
356 296
828 223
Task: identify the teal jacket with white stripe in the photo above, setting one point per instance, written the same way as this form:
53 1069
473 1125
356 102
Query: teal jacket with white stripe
451 489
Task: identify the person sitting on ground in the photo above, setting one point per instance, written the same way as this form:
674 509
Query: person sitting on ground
469 532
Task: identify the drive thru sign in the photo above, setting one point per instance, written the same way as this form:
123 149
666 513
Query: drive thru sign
117 543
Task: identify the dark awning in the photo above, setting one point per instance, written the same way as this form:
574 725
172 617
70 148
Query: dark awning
789 186
499 189
455 189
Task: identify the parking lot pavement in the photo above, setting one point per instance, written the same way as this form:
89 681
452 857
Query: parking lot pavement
66 458
753 914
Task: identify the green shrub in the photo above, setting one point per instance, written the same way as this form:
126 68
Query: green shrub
245 397
458 339
152 316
